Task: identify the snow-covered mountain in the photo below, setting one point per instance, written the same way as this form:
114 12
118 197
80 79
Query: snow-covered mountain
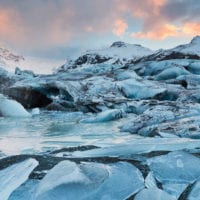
122 51
193 48
9 60
118 53
185 51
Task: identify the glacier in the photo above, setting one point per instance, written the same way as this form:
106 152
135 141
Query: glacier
121 122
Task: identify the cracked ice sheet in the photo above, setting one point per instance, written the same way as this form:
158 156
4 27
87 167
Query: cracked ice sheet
90 181
175 171
139 146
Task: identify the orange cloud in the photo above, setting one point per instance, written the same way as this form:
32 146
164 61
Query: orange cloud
10 25
191 28
141 8
120 27
89 28
158 33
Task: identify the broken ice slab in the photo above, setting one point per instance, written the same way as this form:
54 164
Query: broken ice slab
153 194
90 181
175 167
15 175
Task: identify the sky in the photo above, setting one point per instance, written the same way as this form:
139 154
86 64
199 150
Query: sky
57 28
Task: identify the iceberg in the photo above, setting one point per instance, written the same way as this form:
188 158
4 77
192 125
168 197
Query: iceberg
107 115
11 108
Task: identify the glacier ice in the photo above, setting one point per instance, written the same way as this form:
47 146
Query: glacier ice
15 175
171 73
174 189
26 191
104 116
175 167
137 89
11 108
90 181
153 194
138 146
195 192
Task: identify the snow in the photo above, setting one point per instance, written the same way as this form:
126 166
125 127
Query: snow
116 55
90 181
11 108
192 48
9 61
15 175
126 51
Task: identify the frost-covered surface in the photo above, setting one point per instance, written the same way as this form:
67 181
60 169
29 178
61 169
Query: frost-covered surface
118 123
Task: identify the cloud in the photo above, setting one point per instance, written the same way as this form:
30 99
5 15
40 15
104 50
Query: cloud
159 33
120 27
46 23
191 28
38 24
8 29
166 18
162 32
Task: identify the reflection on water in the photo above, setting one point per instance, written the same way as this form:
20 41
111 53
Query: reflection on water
52 130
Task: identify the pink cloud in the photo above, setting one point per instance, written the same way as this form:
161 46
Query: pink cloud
9 29
43 24
159 33
120 27
191 28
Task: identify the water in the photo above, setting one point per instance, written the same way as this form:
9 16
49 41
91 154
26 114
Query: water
54 130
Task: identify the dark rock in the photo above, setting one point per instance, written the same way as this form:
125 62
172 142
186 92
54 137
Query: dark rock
28 97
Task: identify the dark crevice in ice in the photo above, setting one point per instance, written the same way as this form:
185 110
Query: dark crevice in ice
186 192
